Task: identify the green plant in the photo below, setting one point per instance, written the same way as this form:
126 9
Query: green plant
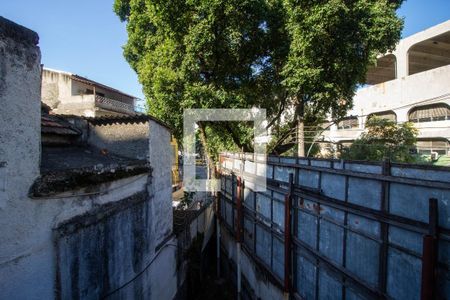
186 201
384 139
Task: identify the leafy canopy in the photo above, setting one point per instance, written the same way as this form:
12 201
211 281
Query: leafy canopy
384 139
290 57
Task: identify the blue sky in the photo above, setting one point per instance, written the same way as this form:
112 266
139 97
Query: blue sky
86 37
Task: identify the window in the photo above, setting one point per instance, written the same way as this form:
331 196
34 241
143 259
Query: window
428 146
348 123
430 113
388 115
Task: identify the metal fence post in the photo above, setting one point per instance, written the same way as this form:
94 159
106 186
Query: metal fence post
218 233
382 269
239 232
430 253
287 238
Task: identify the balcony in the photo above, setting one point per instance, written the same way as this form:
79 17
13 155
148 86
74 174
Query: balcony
114 105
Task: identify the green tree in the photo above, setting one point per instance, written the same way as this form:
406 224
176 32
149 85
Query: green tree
300 60
384 139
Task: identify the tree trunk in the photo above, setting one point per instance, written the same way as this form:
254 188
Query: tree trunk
209 160
301 137
301 130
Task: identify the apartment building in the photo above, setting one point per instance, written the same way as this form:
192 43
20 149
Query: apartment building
410 84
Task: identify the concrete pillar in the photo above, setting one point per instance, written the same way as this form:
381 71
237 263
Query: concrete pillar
20 138
401 56
20 82
160 159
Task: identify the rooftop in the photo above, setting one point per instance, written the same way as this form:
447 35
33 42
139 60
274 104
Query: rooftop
68 164
65 169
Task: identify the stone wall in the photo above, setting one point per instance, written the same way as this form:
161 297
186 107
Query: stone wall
129 140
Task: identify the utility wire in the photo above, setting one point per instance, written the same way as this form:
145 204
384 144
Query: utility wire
141 272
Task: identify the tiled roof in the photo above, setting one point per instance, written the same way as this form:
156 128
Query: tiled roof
139 118
65 169
57 125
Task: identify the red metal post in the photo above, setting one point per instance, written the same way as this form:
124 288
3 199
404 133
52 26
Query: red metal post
287 236
429 256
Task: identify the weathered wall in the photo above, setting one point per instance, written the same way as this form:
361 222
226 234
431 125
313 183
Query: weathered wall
19 154
56 88
260 284
160 156
359 222
98 251
129 140
28 257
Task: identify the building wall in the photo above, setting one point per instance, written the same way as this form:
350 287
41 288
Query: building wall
403 93
30 263
56 88
400 95
257 280
160 156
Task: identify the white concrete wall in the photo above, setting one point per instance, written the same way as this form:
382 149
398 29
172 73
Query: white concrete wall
403 93
27 251
258 281
56 88
160 157
19 155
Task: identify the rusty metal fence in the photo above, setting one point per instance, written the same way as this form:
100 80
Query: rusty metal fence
331 229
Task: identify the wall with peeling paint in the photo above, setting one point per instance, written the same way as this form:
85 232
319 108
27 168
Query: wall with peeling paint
76 243
129 140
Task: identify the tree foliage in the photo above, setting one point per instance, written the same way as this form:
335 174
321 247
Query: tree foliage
384 139
290 57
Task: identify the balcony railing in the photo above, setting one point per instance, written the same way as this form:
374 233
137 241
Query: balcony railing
114 105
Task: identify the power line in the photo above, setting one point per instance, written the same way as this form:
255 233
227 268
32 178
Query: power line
141 272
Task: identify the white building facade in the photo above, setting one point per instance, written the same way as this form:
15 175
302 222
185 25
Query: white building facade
68 93
410 84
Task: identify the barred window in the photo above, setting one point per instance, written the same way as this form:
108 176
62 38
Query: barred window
429 113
